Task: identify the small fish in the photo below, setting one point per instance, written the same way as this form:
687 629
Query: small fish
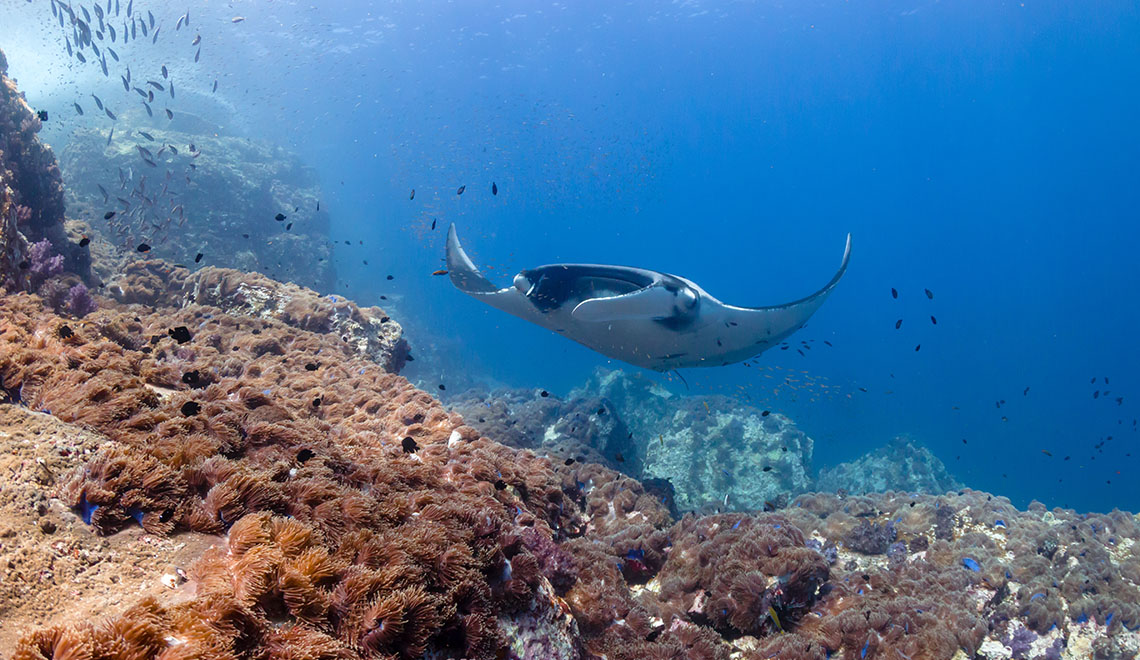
198 258
171 89
898 324
918 346
198 54
126 84
279 217
169 114
439 272
111 29
165 73
103 65
143 247
460 190
151 16
79 56
97 101
494 188
104 191
156 85
149 112
84 242
143 151
178 25
108 215
145 31
1047 452
42 115
114 55
772 614
929 294
172 149
130 6
197 40
237 19
933 320
146 135
78 109
68 42
433 224
215 87
413 194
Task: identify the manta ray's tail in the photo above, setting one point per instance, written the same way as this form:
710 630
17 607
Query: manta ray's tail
463 272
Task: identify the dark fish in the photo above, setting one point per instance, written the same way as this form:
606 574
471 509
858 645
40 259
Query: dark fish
409 445
165 73
171 89
126 84
78 109
1096 394
494 188
215 87
198 54
460 190
279 217
169 114
894 292
108 215
433 224
103 190
198 257
191 377
156 85
413 194
103 65
79 56
181 334
147 135
145 31
197 40
290 226
151 16
111 29
1025 392
114 55
1047 452
97 101
191 408
933 320
42 115
68 42
143 247
144 152
917 347
929 294
149 112
84 242
898 324
442 387
130 6
110 114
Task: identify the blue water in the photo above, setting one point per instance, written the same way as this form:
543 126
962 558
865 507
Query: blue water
987 151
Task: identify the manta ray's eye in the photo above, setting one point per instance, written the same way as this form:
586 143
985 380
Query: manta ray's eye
522 284
687 298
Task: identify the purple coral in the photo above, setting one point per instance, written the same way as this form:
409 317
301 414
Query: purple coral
79 301
1020 642
42 263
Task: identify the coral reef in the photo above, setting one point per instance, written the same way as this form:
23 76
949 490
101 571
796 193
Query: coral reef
899 465
222 203
367 330
31 191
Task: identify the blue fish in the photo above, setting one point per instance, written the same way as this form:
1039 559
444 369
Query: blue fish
971 564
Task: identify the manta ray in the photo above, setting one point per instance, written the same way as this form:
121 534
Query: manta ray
643 317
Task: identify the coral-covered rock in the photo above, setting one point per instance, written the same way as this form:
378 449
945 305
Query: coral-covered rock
708 447
900 465
31 194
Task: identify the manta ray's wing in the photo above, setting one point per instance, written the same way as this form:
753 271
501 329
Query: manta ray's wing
466 277
778 321
651 302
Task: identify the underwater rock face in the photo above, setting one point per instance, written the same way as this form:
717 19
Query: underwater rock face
219 192
900 465
708 446
31 191
367 331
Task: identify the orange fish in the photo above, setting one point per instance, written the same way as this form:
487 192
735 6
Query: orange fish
440 272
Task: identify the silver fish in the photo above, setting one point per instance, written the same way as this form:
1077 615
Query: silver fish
215 86
198 54
159 154
147 135
150 162
156 85
97 101
78 109
110 135
178 25
141 92
111 114
149 112
151 17
150 95
197 40
154 39
173 150
143 151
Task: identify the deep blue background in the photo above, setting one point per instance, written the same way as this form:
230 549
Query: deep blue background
987 151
